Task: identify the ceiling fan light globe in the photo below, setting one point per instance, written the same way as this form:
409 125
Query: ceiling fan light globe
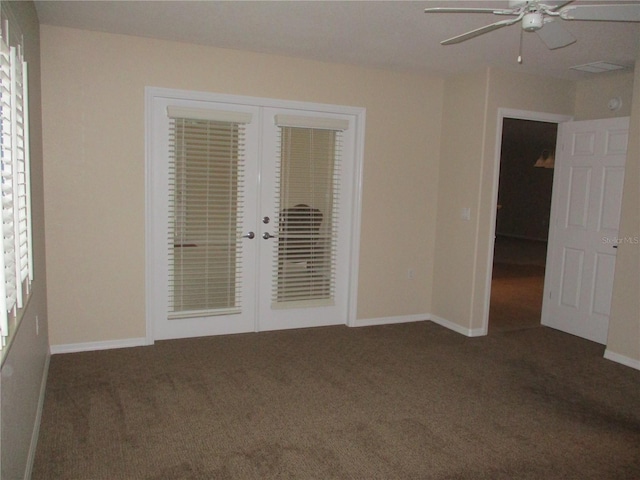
532 21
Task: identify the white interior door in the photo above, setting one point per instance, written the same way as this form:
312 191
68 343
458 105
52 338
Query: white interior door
249 218
587 196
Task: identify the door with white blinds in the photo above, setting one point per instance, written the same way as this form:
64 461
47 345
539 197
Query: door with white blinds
249 218
200 197
304 255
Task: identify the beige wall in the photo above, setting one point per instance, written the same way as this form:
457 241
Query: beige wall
24 367
624 324
594 92
463 134
93 114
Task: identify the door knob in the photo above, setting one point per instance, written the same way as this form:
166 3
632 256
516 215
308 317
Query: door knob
249 235
267 235
266 220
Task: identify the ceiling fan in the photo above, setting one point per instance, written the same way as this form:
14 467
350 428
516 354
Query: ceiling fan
541 16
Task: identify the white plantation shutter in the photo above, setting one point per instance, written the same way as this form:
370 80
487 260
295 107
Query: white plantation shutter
7 270
206 170
21 184
16 261
307 175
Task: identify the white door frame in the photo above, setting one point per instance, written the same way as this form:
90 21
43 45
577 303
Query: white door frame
502 114
151 178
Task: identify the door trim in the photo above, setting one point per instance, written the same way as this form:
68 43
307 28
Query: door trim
502 114
152 93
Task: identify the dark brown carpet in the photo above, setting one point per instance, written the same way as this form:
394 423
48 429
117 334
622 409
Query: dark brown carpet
517 284
516 297
411 401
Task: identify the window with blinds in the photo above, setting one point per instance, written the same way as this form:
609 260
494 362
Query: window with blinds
16 263
307 175
206 169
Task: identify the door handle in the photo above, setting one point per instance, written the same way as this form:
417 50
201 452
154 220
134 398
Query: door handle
249 235
267 235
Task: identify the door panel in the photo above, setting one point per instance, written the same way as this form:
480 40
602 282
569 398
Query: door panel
578 200
611 201
603 284
572 266
585 215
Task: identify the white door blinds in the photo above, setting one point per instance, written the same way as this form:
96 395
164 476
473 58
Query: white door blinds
206 168
308 180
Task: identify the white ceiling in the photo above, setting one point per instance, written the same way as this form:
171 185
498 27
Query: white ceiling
382 34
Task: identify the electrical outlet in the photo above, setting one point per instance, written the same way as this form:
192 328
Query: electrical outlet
410 274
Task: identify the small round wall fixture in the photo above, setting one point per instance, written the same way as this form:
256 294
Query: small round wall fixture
614 104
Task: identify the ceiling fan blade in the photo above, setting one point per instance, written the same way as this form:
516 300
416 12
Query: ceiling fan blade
469 10
606 13
480 31
554 35
555 5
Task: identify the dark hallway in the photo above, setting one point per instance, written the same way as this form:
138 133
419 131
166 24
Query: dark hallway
522 223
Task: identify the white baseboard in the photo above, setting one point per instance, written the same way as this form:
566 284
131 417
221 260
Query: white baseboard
421 317
364 322
106 345
369 322
36 426
467 332
616 357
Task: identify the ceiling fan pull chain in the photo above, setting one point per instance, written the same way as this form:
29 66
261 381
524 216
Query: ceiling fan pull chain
520 49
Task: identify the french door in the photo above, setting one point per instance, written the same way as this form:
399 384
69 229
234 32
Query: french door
250 210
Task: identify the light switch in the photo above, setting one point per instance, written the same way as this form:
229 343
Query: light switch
465 213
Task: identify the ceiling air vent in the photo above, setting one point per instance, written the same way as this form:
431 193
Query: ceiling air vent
598 67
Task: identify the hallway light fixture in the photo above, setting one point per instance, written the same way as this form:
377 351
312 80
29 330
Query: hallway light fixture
546 160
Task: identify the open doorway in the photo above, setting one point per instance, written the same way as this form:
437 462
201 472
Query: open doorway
522 223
